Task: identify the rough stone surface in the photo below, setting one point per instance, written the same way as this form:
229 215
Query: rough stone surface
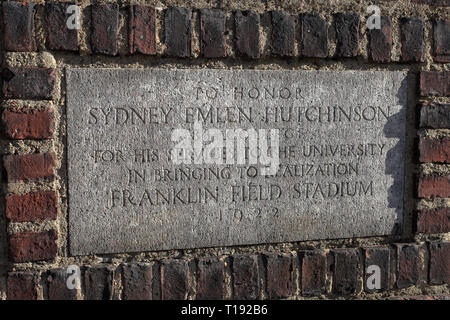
314 36
142 29
151 209
178 32
212 33
59 36
247 33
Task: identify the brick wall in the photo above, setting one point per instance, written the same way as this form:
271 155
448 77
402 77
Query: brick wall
37 46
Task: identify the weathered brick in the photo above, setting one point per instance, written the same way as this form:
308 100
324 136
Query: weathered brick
380 41
440 262
247 34
408 264
434 149
22 285
137 282
29 166
433 220
412 35
211 278
435 115
31 246
178 32
283 34
280 280
314 36
18 24
33 206
142 29
98 283
57 286
174 280
433 2
29 83
441 40
212 33
346 270
379 257
59 36
246 273
313 272
347 34
105 28
28 123
434 83
434 186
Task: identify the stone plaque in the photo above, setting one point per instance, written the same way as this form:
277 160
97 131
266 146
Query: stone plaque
171 159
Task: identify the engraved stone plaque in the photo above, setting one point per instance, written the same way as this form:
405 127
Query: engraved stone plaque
172 159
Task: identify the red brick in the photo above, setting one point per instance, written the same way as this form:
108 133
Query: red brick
380 257
33 206
212 33
347 34
178 32
434 149
313 272
29 166
314 36
434 83
247 34
174 280
142 29
441 40
280 280
57 286
380 42
246 273
98 283
408 264
105 28
283 34
18 23
31 246
22 285
346 271
434 186
29 83
412 36
28 123
435 115
440 262
433 220
59 36
137 282
211 278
